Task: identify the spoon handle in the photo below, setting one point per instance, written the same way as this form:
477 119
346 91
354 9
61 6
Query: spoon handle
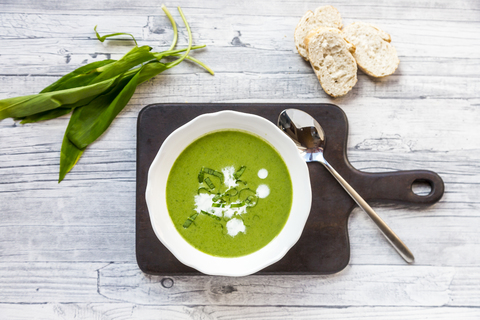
387 232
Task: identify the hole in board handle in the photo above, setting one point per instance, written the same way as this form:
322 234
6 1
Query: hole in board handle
422 187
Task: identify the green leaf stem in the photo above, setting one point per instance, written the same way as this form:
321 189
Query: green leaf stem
102 38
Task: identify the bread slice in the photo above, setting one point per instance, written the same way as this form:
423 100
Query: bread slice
375 55
331 58
326 16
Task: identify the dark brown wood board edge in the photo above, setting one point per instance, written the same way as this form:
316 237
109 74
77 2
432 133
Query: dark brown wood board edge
333 225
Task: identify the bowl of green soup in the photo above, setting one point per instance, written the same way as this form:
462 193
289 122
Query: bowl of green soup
228 194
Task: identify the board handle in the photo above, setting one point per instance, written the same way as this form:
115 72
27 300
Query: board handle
398 186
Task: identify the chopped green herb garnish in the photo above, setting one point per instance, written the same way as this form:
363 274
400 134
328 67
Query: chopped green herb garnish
200 176
231 192
242 192
211 215
190 220
215 173
209 183
239 172
203 189
251 201
237 205
233 197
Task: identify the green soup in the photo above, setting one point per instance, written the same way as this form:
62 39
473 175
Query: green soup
229 193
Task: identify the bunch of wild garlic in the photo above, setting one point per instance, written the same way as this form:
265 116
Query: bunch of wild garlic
96 93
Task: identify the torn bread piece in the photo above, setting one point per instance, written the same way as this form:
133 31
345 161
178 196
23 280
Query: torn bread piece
374 53
330 55
326 16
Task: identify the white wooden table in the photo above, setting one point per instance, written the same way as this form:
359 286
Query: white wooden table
67 251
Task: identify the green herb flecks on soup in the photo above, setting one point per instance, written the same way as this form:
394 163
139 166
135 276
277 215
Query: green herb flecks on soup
229 193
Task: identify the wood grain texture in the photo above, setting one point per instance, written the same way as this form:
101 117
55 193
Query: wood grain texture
67 251
111 311
356 285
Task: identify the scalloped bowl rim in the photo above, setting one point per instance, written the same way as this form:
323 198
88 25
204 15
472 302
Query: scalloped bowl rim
163 226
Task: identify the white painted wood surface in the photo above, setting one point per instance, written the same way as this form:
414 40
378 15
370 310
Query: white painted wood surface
67 251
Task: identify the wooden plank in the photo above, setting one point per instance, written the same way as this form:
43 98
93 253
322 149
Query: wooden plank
32 34
227 87
442 10
72 243
355 286
52 311
220 59
39 282
397 127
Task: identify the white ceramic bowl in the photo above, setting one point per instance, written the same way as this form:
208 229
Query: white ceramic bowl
156 194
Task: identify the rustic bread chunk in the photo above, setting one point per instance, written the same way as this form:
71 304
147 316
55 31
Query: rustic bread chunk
331 59
374 53
326 16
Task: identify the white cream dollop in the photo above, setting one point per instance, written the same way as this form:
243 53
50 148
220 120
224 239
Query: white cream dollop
228 173
262 173
263 191
234 226
203 201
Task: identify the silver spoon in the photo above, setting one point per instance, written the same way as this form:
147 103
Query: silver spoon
310 139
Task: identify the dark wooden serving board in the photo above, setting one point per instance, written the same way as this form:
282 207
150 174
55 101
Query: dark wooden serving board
323 247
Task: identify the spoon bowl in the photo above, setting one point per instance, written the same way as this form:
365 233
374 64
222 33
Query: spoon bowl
310 140
305 131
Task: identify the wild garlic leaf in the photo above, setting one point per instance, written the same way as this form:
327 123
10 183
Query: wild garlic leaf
150 70
90 121
81 80
101 39
79 77
46 115
71 80
64 109
69 155
58 112
133 58
24 106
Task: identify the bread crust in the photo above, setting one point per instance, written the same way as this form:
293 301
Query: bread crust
330 56
325 16
374 55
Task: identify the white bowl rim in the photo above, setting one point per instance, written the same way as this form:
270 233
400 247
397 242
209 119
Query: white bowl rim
163 226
